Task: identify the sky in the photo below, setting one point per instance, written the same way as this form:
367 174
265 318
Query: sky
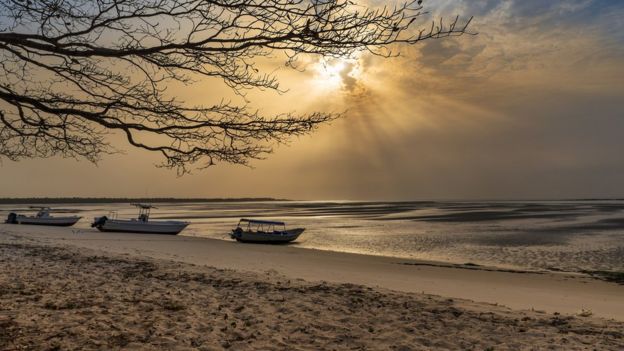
530 108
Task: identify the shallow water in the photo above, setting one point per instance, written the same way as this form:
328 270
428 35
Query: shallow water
559 235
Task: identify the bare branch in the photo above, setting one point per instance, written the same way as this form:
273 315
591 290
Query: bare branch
75 70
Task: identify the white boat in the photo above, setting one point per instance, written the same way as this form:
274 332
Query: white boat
259 231
42 218
142 224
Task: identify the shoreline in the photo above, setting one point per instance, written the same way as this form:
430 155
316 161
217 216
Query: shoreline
570 238
400 260
542 291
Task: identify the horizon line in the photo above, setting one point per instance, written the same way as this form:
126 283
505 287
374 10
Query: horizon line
88 199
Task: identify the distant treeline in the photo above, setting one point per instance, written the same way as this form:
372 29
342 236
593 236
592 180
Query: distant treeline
84 200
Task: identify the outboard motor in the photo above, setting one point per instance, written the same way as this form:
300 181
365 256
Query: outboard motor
236 233
12 219
98 222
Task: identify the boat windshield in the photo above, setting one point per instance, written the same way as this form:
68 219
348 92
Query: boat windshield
144 211
41 211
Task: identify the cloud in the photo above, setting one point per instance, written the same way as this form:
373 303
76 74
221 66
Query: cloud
529 108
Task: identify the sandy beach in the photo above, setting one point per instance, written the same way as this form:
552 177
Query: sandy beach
64 289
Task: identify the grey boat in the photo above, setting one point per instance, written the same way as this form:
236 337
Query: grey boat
260 231
142 224
42 217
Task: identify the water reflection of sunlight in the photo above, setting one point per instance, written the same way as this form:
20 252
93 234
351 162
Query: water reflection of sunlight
530 235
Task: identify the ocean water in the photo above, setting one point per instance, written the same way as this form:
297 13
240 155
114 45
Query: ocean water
552 235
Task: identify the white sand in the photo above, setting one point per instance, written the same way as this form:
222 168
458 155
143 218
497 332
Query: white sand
55 298
562 293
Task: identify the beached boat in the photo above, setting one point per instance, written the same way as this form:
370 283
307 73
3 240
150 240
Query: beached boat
142 224
259 231
42 218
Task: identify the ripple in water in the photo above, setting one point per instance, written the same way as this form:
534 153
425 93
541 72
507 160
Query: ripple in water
561 235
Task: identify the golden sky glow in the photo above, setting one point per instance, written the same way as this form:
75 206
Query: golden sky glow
529 108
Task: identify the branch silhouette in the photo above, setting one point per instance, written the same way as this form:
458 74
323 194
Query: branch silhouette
74 71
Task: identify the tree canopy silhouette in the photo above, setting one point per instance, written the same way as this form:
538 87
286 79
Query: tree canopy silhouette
74 71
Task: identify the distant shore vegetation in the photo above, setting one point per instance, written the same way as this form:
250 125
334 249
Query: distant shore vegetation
88 200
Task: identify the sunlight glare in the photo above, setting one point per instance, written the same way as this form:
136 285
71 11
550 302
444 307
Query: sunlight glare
331 75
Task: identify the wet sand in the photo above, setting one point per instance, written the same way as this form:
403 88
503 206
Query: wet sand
61 289
549 292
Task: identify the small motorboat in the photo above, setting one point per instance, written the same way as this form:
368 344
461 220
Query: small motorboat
42 218
142 224
259 231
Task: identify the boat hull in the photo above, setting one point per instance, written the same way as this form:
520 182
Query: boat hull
277 237
139 227
49 221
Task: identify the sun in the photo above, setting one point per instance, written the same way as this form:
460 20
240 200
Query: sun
333 74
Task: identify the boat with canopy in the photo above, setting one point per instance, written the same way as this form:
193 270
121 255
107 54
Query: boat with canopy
262 231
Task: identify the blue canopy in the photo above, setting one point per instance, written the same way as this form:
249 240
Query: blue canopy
257 221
